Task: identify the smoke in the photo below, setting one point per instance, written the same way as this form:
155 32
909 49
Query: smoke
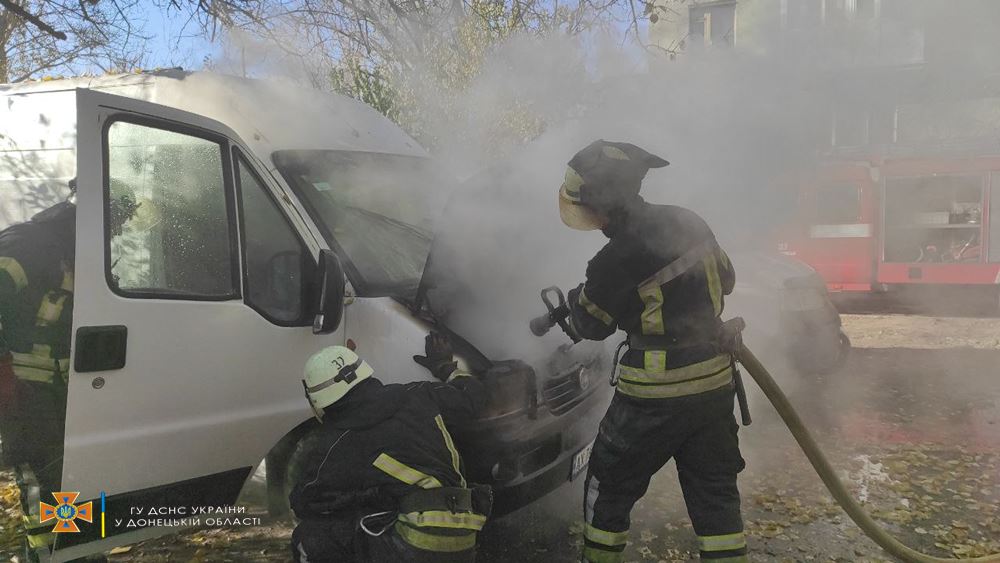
731 124
742 126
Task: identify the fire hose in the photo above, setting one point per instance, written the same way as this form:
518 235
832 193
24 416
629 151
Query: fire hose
734 342
826 472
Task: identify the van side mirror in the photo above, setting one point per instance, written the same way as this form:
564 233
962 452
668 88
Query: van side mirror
332 291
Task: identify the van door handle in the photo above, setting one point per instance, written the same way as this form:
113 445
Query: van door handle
100 348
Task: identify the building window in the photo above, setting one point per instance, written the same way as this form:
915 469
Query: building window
713 23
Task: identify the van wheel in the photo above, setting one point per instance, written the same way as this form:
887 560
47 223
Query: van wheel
836 358
822 356
285 469
844 352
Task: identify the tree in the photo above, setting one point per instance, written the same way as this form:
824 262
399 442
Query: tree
40 37
413 60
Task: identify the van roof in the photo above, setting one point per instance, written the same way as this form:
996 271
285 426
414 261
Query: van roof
268 115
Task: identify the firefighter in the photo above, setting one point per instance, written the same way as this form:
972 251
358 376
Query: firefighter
37 260
661 278
36 303
384 482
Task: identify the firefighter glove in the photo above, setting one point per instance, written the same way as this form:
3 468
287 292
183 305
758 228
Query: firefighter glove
439 358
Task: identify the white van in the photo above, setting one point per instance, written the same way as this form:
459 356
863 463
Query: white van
193 321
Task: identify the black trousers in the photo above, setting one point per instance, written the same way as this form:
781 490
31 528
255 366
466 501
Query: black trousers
342 541
638 437
326 541
34 429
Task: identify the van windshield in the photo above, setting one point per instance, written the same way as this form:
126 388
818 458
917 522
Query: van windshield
377 210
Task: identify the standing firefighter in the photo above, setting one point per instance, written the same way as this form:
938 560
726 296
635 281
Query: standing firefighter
36 304
385 483
661 279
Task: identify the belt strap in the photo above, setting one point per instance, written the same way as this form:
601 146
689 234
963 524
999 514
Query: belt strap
453 499
645 342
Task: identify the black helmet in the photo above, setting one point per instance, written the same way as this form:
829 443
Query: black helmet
601 177
59 213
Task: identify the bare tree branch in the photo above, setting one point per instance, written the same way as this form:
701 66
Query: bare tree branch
32 19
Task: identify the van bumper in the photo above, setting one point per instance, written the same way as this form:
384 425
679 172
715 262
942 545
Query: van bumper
524 469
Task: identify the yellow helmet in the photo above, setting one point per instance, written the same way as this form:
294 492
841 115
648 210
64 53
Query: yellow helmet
330 374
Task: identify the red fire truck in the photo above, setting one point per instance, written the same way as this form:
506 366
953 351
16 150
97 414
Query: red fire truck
875 220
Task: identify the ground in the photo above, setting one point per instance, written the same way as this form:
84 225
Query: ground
912 423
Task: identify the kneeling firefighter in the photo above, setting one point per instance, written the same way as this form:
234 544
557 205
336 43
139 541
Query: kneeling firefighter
661 278
385 481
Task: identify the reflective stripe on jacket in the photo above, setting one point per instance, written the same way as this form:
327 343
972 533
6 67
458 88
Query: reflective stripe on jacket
36 301
661 275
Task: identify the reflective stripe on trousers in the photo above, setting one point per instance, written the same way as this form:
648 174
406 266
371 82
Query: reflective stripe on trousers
444 519
726 548
601 546
439 530
439 540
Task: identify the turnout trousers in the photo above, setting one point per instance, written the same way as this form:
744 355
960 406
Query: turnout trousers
33 431
638 437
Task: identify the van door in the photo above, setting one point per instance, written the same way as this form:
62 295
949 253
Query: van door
193 305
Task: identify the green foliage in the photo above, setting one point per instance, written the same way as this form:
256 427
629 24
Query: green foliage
416 87
371 86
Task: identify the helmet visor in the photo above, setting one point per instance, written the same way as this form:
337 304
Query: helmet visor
577 216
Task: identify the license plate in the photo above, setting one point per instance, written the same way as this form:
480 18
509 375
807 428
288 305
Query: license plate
580 460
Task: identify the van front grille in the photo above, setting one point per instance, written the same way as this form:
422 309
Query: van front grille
563 392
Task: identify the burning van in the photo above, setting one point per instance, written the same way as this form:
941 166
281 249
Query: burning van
266 225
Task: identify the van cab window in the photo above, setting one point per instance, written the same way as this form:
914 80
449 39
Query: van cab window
278 265
167 215
378 210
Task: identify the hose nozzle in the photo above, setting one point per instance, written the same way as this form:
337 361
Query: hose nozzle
542 324
556 315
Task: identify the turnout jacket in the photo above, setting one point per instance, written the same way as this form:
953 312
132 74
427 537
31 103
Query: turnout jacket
382 444
661 278
36 298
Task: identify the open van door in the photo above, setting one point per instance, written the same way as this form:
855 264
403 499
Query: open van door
195 296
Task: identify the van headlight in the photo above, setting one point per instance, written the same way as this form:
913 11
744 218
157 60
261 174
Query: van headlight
511 389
